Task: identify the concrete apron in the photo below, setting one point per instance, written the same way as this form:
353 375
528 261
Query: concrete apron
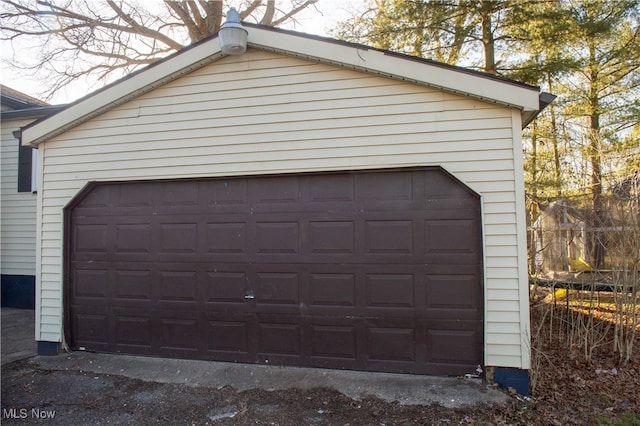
402 388
18 342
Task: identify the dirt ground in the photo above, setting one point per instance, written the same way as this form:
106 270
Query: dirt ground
569 390
78 398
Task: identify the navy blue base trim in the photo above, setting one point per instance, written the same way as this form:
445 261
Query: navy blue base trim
48 348
513 378
18 291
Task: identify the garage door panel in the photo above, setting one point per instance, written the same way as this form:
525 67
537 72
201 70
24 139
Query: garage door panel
275 189
225 335
371 259
439 261
452 314
133 333
453 343
133 195
471 268
279 339
91 328
335 189
225 286
453 296
376 271
132 238
331 237
389 236
277 290
451 236
224 194
333 342
385 186
90 283
390 291
175 194
391 343
179 335
135 286
436 212
95 201
178 238
177 287
93 283
336 342
332 290
91 239
442 186
225 238
444 343
230 336
276 237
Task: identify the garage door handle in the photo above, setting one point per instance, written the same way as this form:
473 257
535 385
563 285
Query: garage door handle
249 296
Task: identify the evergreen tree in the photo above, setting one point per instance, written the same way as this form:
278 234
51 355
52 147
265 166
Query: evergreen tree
455 32
586 52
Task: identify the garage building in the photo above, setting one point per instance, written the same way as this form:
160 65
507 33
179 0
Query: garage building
308 202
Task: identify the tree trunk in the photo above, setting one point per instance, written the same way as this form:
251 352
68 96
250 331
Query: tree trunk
534 198
487 37
554 141
595 158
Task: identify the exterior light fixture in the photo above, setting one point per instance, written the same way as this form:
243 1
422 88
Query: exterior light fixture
233 36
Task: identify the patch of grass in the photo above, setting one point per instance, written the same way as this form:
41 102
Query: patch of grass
599 419
603 399
628 418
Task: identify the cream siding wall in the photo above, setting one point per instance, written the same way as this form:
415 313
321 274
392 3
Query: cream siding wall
17 209
264 113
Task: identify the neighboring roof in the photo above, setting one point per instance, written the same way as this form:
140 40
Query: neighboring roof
36 112
18 100
18 105
485 87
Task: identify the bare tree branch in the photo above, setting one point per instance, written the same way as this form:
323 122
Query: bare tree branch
140 29
251 8
70 39
287 16
213 15
183 14
268 14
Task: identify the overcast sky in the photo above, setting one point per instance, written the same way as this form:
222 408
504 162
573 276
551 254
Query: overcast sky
314 20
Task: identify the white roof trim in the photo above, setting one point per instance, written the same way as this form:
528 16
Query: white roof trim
452 79
525 98
123 90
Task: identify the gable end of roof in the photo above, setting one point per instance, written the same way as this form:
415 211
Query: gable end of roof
457 80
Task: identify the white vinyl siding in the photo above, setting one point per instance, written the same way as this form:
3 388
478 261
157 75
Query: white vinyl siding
264 113
17 209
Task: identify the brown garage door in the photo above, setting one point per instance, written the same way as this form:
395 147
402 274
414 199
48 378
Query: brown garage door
377 270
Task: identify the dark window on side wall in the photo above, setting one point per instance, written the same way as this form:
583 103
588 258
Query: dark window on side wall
25 166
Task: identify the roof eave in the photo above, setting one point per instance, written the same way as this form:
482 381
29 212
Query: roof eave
34 112
543 100
18 100
451 79
123 90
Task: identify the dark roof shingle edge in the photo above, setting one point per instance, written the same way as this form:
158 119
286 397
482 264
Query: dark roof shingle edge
34 112
18 100
394 54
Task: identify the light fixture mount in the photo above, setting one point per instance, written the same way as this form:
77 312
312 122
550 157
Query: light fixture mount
233 36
